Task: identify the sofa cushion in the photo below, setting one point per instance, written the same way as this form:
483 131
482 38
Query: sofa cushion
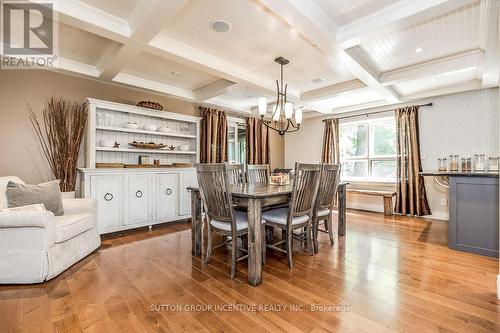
3 188
47 193
71 225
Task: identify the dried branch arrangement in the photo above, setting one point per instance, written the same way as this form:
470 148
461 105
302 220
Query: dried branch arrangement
60 137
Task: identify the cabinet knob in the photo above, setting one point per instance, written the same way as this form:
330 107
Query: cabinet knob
168 191
138 194
108 196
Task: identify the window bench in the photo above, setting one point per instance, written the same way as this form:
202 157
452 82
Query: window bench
387 195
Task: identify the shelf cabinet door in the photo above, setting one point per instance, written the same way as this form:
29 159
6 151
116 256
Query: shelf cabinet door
188 178
167 193
108 191
139 199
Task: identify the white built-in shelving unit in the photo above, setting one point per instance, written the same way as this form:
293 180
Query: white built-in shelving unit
136 197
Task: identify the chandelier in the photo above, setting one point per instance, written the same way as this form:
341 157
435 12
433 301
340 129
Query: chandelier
284 118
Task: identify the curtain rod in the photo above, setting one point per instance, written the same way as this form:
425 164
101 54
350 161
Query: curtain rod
370 113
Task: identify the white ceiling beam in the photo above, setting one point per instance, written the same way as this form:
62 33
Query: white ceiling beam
394 17
118 30
434 67
306 18
131 80
213 89
490 40
147 23
419 97
359 65
447 90
85 17
302 15
174 50
330 91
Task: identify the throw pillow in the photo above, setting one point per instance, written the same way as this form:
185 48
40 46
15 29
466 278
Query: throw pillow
47 194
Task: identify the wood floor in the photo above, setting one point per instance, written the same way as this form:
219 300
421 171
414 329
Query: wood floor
391 274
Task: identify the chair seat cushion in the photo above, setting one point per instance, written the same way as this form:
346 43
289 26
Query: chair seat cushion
323 212
241 222
279 216
71 225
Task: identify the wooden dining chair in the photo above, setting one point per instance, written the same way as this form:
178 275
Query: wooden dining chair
236 174
213 182
325 200
257 173
299 213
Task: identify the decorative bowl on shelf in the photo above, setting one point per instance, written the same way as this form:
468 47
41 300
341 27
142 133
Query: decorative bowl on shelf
150 105
106 143
183 147
149 127
131 125
149 145
164 129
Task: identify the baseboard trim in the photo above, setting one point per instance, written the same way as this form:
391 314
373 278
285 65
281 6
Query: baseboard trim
439 216
498 286
444 216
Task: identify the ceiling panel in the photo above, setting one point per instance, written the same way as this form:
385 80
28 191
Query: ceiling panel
359 96
154 68
256 36
82 46
437 81
304 67
241 97
343 12
437 37
120 8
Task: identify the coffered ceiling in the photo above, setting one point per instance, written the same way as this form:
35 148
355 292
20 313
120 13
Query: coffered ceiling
344 54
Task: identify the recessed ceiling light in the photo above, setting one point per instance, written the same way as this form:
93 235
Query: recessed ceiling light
433 79
176 74
418 50
221 26
319 80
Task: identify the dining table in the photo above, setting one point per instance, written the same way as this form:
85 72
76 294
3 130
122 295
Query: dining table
254 197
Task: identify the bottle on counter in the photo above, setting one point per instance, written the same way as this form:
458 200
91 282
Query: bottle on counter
479 163
454 167
493 164
466 164
442 164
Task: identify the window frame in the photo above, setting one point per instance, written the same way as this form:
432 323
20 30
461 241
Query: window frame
369 158
235 122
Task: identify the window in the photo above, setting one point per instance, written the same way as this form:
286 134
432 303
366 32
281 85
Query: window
368 150
236 141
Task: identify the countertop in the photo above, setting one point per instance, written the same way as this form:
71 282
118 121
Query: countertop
460 174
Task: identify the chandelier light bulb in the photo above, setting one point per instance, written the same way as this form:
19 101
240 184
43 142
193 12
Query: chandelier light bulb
288 110
262 106
298 116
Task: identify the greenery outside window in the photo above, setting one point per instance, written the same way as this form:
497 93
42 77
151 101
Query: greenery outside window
368 150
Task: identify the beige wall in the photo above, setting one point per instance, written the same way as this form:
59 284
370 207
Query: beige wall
19 154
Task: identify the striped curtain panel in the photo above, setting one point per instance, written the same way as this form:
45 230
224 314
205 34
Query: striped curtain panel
331 150
213 140
411 198
257 142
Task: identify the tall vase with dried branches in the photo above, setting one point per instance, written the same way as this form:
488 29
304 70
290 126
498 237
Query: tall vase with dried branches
60 137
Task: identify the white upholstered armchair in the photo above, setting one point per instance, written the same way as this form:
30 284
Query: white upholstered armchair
37 246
